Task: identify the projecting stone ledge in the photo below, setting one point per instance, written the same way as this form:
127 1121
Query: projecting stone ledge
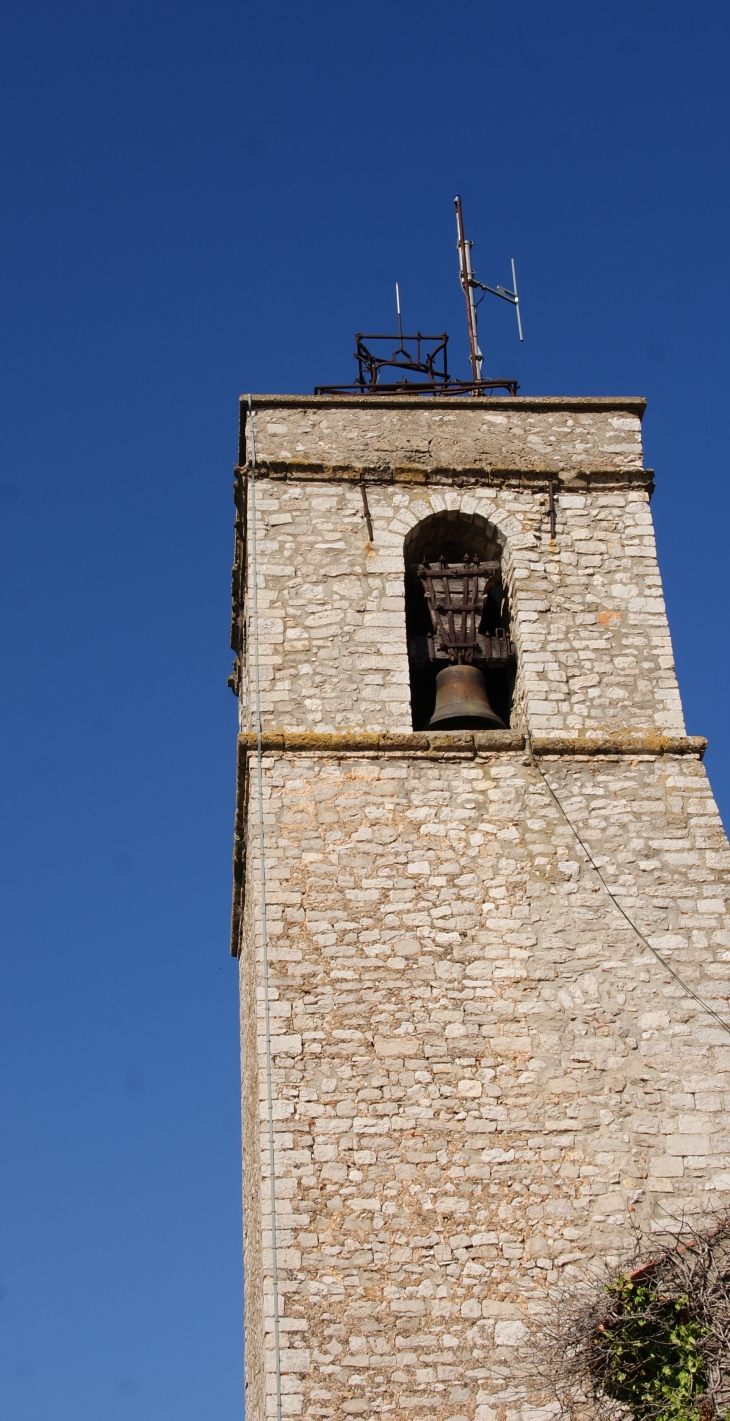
470 743
484 476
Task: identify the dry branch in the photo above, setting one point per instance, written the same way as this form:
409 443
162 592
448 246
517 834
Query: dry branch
650 1338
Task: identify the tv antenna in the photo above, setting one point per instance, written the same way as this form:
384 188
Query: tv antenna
425 355
470 285
400 324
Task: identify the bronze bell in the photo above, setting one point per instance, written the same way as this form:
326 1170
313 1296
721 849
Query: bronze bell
461 701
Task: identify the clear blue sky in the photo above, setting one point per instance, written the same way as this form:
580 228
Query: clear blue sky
201 200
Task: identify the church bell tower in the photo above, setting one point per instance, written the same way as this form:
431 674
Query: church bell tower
477 867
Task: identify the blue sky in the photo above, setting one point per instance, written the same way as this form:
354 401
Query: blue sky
198 201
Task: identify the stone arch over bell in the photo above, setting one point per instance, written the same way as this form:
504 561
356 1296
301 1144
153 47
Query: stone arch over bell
445 696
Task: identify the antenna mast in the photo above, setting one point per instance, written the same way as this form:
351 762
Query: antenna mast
467 281
425 355
470 285
400 323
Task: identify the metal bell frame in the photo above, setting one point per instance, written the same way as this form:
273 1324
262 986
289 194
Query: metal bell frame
455 594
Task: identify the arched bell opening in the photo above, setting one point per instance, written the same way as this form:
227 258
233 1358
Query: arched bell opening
461 658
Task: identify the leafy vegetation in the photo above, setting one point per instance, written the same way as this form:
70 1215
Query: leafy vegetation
647 1353
649 1341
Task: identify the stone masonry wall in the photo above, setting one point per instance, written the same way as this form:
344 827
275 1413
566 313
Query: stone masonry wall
480 1074
566 436
479 1071
588 617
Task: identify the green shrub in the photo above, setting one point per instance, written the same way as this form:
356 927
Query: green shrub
646 1353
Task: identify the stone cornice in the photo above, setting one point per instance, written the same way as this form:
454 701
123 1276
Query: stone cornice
469 743
627 404
304 471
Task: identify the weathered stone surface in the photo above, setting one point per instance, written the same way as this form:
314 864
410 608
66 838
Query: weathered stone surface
495 1070
472 743
588 618
428 434
480 1072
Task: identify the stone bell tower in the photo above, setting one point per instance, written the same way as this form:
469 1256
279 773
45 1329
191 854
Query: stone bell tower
467 1064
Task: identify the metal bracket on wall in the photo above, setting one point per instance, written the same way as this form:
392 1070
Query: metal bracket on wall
366 511
234 680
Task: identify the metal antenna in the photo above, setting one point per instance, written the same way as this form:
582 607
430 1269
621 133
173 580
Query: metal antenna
467 281
513 296
400 326
470 285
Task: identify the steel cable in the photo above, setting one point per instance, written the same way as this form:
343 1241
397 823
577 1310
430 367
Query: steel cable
642 936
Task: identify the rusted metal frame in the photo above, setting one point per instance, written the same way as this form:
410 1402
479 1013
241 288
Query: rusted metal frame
462 641
450 386
370 364
469 615
465 639
505 649
448 630
552 512
440 568
366 511
443 628
459 642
